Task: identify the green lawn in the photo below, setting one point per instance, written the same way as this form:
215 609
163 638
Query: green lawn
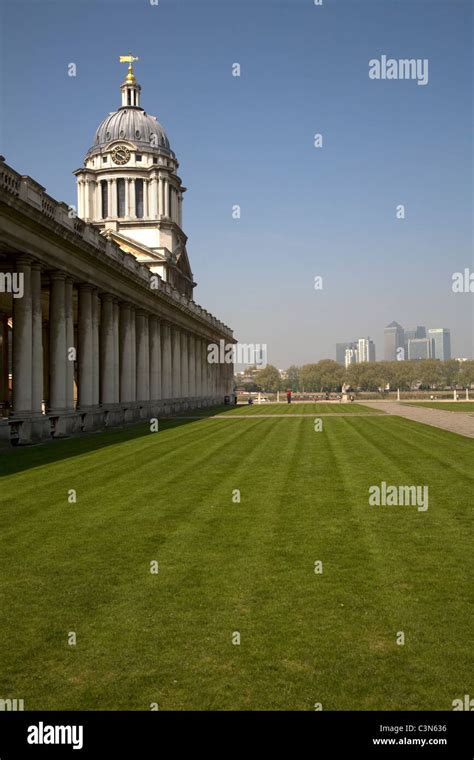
247 567
312 408
448 406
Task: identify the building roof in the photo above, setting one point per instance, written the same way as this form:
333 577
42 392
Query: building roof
132 124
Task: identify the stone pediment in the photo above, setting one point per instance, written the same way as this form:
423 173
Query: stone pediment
142 252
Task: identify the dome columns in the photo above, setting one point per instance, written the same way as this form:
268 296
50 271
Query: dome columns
130 95
143 196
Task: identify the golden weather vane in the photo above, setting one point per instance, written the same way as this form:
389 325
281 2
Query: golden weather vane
129 59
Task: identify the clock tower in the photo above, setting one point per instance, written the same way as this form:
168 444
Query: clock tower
129 188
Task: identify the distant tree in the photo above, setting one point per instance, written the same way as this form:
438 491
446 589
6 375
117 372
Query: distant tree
450 373
430 372
292 378
356 375
309 377
466 373
269 379
331 375
326 375
404 374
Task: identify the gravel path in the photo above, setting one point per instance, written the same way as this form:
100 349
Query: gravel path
455 422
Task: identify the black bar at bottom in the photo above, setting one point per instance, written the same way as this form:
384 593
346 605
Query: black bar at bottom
155 734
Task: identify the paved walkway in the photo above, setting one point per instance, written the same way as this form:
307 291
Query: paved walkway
456 422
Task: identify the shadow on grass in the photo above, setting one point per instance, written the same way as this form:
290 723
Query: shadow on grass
19 458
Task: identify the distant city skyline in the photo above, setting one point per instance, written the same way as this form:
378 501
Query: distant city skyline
399 344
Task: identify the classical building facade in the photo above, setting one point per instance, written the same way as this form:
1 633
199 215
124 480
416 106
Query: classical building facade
98 326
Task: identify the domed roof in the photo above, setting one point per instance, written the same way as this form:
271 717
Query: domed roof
133 124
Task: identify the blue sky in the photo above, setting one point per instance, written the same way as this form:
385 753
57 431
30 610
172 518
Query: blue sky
249 141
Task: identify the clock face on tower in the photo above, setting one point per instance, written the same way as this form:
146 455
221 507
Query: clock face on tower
120 155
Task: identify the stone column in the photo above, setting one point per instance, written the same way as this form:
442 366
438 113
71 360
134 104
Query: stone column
95 348
22 342
192 365
159 196
176 361
85 347
200 363
154 198
133 353
131 199
57 343
70 345
218 379
208 370
166 197
197 366
210 376
230 378
126 186
109 198
203 369
155 359
125 353
143 356
87 200
80 199
45 336
225 368
184 365
146 186
98 200
166 362
4 355
116 321
113 199
37 339
107 350
172 214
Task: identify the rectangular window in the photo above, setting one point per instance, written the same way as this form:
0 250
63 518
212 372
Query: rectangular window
120 197
138 157
104 159
105 199
139 198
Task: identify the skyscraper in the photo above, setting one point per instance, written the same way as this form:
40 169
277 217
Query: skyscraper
341 351
393 340
419 348
366 350
440 343
351 357
413 333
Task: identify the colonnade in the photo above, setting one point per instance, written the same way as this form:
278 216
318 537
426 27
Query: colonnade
161 198
104 356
